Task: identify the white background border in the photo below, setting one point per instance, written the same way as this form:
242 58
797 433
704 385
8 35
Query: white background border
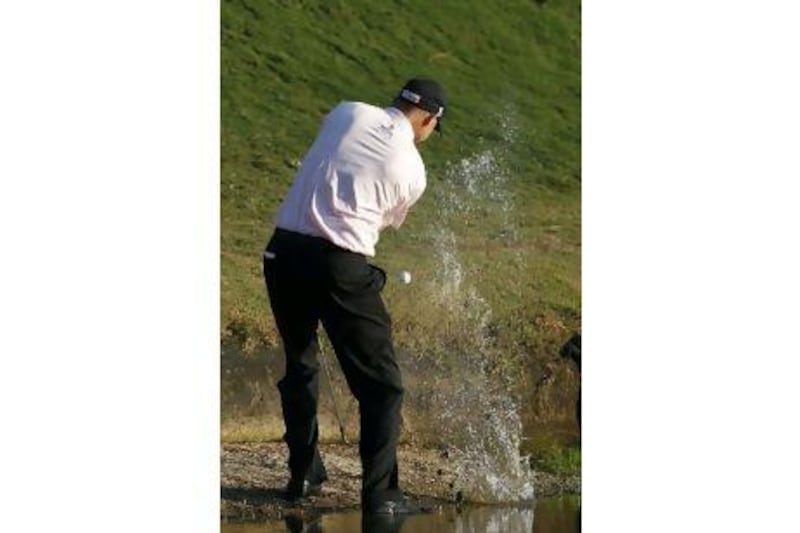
109 216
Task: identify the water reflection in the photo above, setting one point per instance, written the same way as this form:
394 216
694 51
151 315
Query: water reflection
551 515
345 522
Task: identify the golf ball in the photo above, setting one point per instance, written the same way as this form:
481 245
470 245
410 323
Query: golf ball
405 276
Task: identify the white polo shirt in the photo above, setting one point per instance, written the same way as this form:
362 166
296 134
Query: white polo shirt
362 173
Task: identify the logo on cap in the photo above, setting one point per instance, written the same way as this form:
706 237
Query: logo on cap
411 97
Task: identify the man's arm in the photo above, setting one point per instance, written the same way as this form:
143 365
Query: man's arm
411 183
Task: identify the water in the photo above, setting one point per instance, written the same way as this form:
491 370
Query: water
551 515
477 419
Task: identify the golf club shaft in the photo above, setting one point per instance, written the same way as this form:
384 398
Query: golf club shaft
324 359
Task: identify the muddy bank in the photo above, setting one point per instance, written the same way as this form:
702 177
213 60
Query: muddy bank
251 408
253 475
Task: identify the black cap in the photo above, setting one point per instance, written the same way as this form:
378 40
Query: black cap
427 95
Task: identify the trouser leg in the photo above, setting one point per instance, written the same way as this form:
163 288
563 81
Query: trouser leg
359 327
295 307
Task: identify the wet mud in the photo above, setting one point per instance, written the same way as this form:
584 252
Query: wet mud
253 476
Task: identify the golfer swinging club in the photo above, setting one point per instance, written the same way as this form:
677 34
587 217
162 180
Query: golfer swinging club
362 174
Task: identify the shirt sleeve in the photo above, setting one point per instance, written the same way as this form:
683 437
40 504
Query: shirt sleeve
398 215
411 186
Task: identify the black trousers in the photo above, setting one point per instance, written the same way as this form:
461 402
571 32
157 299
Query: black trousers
312 281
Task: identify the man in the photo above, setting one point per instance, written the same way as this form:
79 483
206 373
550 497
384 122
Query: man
362 174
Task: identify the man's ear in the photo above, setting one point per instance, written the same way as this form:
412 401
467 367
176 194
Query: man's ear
427 120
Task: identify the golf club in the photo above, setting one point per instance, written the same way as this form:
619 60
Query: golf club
324 358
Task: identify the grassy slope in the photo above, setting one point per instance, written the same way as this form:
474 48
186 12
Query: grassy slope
285 64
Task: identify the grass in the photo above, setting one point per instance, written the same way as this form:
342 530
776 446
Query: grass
251 429
558 460
549 454
513 76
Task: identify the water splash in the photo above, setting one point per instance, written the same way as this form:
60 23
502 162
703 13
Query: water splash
477 418
481 183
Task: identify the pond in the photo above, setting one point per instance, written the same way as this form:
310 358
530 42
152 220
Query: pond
549 515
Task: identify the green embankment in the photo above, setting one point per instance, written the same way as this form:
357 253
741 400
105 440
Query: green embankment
512 71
